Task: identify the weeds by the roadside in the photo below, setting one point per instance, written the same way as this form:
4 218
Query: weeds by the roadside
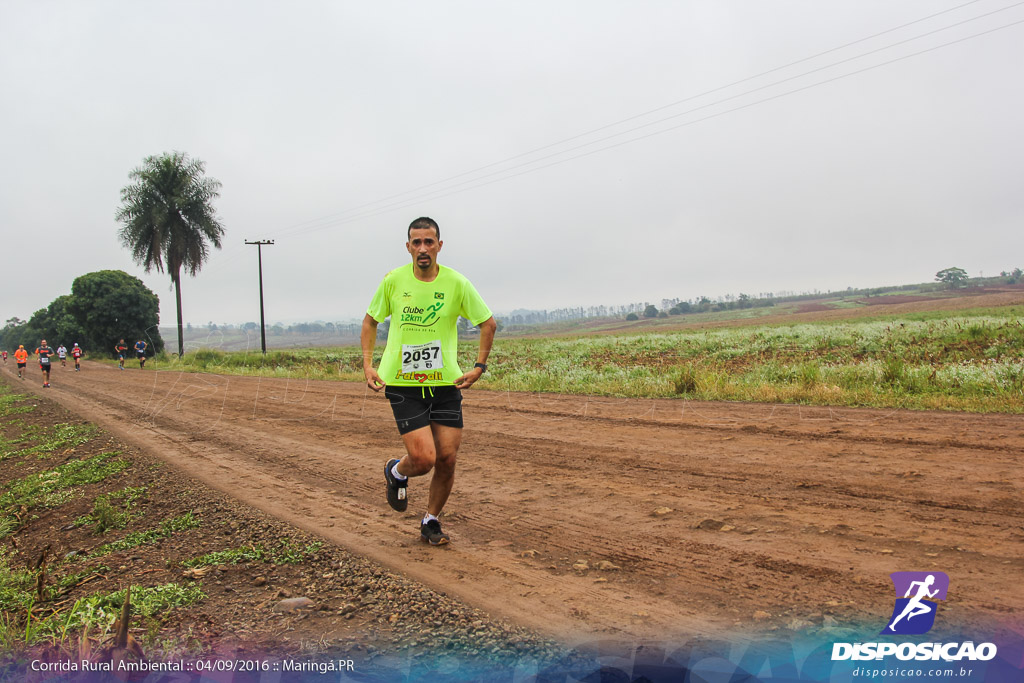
22 432
13 404
62 436
112 510
137 538
52 488
290 552
15 584
29 624
49 440
286 552
253 553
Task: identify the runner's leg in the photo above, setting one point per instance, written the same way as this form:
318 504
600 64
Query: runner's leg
420 453
446 447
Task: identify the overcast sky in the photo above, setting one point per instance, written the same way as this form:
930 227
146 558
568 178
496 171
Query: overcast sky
331 125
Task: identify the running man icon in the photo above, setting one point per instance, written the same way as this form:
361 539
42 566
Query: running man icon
914 613
915 607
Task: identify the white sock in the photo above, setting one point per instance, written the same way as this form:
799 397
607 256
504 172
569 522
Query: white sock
394 472
427 517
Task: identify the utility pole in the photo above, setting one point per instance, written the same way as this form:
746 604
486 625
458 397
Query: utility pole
263 325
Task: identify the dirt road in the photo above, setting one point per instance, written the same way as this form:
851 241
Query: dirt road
607 518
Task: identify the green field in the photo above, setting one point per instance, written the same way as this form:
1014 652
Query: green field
972 361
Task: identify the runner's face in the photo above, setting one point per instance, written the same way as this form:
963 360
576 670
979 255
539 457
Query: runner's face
423 245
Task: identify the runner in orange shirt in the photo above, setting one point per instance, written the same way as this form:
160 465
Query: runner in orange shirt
21 355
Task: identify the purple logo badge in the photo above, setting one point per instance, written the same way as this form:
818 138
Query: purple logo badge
916 604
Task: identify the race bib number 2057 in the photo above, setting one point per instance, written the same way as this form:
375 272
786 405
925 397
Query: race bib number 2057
417 357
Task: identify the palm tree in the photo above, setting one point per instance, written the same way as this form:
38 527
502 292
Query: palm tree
168 218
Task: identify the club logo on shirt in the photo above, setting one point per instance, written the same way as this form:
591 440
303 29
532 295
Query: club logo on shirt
413 316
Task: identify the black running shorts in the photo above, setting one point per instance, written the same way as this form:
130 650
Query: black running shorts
416 407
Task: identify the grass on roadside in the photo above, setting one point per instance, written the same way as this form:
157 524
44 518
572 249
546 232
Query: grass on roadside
971 361
26 622
58 437
286 552
112 510
52 488
136 538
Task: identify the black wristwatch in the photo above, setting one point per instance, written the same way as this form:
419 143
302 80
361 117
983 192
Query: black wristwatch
482 366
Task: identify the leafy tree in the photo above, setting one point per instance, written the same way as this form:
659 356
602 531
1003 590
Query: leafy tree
169 218
650 311
680 308
954 277
11 333
28 332
632 316
110 305
59 324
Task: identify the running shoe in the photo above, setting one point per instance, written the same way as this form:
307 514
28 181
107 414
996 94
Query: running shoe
432 534
397 490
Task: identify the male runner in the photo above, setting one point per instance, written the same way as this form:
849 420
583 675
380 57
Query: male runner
419 367
21 358
62 353
120 349
76 353
5 356
140 353
44 352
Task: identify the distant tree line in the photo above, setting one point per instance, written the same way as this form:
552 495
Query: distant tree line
315 329
102 308
947 278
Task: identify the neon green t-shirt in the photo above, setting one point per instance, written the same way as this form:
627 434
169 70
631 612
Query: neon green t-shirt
423 340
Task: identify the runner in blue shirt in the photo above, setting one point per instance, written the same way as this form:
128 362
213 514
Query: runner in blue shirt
140 353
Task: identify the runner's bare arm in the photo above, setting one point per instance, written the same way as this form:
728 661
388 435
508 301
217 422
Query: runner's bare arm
367 339
487 330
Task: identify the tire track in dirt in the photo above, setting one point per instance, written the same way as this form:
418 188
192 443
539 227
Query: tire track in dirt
795 511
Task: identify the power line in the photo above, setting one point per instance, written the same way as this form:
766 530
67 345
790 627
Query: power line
331 218
506 175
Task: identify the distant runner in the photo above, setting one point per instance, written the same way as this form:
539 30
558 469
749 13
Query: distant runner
44 352
423 378
62 353
77 353
5 356
21 357
140 353
120 349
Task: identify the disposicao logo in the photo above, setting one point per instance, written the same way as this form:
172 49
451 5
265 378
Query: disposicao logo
914 614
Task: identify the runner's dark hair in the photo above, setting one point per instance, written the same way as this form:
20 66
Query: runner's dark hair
423 223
